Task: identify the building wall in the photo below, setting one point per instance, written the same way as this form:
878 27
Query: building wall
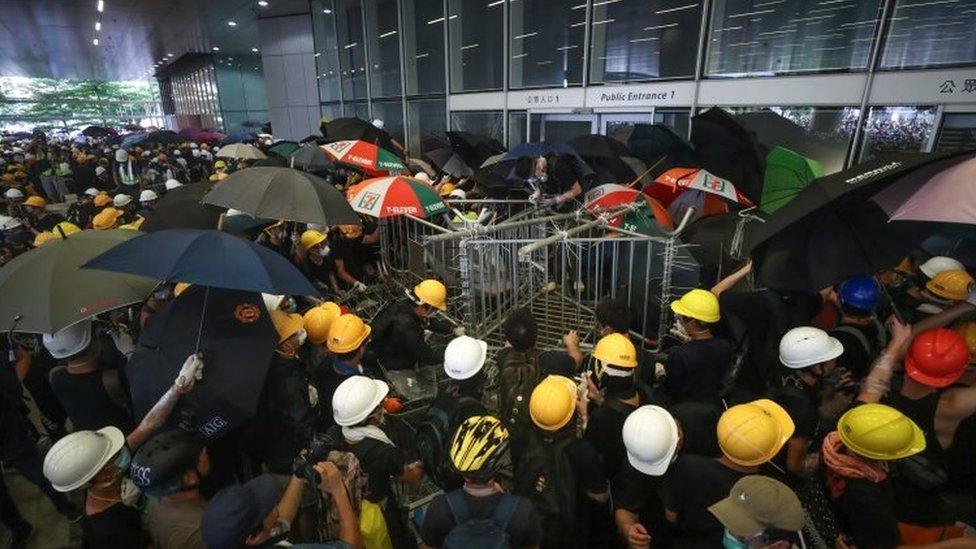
288 59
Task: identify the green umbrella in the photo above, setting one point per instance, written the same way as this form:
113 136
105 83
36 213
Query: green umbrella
787 173
43 290
284 148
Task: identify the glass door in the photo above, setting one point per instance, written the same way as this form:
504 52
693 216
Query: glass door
620 126
562 127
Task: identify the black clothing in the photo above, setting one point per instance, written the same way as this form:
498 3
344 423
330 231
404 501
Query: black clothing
642 495
698 421
523 529
398 338
695 371
856 358
868 510
693 484
325 378
605 431
560 176
86 401
801 402
117 526
15 427
353 254
285 415
912 504
321 274
47 222
81 213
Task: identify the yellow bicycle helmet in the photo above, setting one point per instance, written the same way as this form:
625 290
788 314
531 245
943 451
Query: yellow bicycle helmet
478 447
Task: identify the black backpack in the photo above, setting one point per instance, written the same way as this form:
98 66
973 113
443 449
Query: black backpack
544 475
434 435
518 376
472 533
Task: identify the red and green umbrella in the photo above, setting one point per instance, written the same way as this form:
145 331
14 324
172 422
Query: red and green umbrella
396 195
649 218
700 180
364 155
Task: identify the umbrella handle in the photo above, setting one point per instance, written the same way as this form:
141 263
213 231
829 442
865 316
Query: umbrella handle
641 176
203 316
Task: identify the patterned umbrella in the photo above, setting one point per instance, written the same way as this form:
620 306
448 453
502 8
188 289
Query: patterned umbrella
365 156
701 180
397 195
648 219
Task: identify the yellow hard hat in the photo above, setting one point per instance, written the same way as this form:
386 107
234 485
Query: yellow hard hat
311 238
67 227
106 219
347 333
43 238
135 225
35 201
953 285
753 433
616 350
319 319
698 304
351 230
102 200
478 447
553 402
446 189
432 292
877 431
220 164
286 324
968 332
180 288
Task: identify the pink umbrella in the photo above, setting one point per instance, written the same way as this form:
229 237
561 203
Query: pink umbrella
942 192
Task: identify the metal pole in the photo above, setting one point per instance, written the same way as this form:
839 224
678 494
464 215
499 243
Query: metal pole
869 83
403 81
699 61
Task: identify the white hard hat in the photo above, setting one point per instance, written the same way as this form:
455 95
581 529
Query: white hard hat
356 398
121 200
78 457
805 346
378 123
422 176
938 264
121 155
232 212
91 191
148 196
69 341
176 152
464 356
458 194
172 184
272 301
651 437
100 170
14 193
7 223
193 145
195 153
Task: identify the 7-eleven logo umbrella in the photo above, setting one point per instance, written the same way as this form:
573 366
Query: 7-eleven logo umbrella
397 195
365 156
701 180
611 195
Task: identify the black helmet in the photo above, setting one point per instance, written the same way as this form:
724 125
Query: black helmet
158 467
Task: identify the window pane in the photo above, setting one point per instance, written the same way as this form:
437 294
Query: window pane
517 128
897 129
352 51
484 122
357 110
475 31
326 49
750 38
546 46
383 39
939 33
958 132
634 40
425 118
678 120
331 111
423 46
391 113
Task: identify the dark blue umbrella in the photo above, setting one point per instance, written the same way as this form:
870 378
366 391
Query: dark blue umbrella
205 257
239 137
134 139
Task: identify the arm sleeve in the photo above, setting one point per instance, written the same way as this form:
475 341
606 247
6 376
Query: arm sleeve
871 518
674 486
438 521
424 353
586 465
525 526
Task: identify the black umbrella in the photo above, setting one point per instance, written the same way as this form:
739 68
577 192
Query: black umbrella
729 151
164 137
772 130
237 340
449 162
831 230
474 148
273 161
721 242
310 157
283 193
599 146
98 131
660 148
343 129
181 208
310 139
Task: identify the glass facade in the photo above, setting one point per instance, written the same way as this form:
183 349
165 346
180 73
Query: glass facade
958 133
242 93
546 41
383 48
352 49
475 30
897 129
391 113
488 123
637 40
517 128
425 118
423 46
326 50
925 33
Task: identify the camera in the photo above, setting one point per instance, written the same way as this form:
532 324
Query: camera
303 466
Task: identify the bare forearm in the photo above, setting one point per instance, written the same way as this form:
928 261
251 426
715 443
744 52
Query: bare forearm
154 419
624 519
290 502
732 279
878 380
348 522
944 318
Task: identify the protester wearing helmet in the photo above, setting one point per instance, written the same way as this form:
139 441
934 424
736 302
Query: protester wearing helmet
37 216
693 371
353 253
949 287
860 332
98 461
317 263
749 435
346 340
760 512
107 218
398 329
147 201
81 212
126 205
477 449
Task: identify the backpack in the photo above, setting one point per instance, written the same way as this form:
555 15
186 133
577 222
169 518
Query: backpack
354 477
519 374
544 475
472 533
858 335
435 433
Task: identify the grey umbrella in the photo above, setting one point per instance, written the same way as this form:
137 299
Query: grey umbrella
310 157
44 290
283 193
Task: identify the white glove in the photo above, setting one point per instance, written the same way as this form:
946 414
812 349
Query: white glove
190 373
971 298
659 370
359 286
459 331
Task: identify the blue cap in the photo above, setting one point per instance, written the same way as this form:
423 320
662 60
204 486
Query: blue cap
860 292
235 511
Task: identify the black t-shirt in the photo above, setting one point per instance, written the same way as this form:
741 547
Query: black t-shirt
319 273
87 402
560 175
48 221
381 463
856 357
642 495
695 370
693 483
800 401
605 431
117 526
353 254
15 438
524 529
698 422
587 468
868 513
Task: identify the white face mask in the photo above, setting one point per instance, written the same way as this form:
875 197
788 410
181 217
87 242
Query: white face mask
302 336
678 331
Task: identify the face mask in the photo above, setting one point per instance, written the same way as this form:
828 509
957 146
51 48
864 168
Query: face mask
302 336
678 331
123 460
543 177
730 542
322 251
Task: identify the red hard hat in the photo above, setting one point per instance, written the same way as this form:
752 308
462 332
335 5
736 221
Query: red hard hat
937 358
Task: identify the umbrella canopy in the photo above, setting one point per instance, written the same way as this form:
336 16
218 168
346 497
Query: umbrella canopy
310 157
357 129
205 257
181 208
660 148
720 242
273 161
700 180
599 146
649 218
449 162
368 157
416 165
284 148
46 288
787 173
729 151
831 231
164 137
310 139
773 130
540 148
208 136
943 191
98 131
240 150
398 195
134 139
237 339
283 193
240 137
474 148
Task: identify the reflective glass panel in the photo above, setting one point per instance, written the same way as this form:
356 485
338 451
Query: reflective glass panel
331 111
423 46
357 110
475 33
546 43
425 118
517 121
927 33
352 49
488 123
897 129
391 113
958 132
326 49
383 48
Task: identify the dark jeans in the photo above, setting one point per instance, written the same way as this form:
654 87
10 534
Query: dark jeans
30 465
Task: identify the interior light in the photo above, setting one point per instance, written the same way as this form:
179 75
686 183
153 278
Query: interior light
94 41
98 26
232 23
101 6
263 3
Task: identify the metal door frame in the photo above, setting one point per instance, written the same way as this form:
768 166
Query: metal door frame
636 117
593 119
